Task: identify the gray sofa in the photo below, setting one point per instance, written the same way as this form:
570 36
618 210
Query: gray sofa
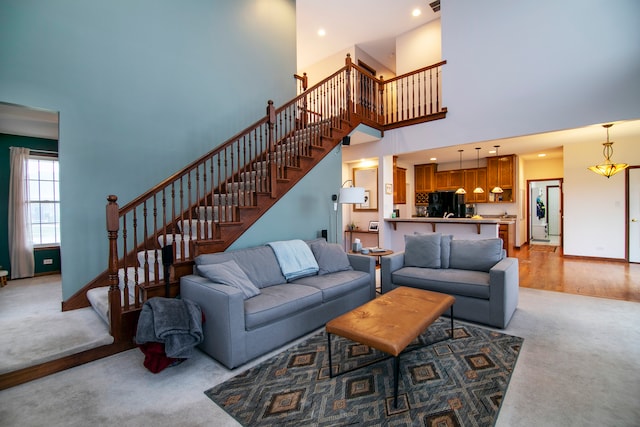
243 321
477 273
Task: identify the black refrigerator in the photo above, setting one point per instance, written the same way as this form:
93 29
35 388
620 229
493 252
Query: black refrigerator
442 203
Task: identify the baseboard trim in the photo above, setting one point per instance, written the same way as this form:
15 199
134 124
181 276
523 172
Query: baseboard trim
11 379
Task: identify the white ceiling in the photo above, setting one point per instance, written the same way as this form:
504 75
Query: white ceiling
373 25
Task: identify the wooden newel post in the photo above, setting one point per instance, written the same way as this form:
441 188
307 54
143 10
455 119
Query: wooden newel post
347 63
271 121
115 305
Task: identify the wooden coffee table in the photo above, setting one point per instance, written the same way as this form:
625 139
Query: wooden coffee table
390 323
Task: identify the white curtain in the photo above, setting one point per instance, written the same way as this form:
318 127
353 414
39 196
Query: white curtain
20 243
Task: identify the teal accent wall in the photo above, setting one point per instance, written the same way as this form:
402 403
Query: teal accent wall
304 211
7 141
143 88
42 255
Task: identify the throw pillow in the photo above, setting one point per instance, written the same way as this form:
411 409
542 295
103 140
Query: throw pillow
331 257
229 273
422 250
475 255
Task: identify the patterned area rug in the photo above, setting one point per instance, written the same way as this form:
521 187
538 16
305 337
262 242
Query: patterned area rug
459 382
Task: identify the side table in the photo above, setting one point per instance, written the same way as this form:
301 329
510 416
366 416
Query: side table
377 254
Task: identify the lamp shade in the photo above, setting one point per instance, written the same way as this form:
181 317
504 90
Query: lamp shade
351 195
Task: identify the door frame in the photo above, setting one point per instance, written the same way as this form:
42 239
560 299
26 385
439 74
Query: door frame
561 207
627 213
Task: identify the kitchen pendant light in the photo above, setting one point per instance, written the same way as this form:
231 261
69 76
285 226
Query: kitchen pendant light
478 189
608 168
461 190
497 189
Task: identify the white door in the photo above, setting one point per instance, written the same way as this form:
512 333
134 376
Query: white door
634 215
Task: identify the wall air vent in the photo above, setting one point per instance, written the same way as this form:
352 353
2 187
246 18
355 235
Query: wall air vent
435 5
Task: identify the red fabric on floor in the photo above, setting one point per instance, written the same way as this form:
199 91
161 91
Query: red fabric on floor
155 358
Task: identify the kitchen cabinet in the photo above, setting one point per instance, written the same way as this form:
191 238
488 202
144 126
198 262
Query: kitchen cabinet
475 178
501 173
400 186
507 232
424 182
449 180
424 178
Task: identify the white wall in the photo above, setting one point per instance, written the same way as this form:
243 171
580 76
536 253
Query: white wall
419 48
323 69
520 68
594 206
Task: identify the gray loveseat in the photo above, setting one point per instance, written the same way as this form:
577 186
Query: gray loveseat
258 310
477 273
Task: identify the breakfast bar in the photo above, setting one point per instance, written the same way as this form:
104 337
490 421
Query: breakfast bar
460 228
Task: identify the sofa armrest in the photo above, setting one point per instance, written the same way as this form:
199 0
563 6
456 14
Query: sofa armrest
389 264
366 264
504 285
223 308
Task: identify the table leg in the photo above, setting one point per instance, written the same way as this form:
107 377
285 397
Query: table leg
396 373
329 350
451 316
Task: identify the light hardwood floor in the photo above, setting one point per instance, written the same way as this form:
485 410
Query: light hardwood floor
551 271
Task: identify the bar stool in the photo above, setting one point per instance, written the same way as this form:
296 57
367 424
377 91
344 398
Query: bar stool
3 278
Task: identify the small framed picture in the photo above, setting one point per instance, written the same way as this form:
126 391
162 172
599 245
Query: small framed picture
373 225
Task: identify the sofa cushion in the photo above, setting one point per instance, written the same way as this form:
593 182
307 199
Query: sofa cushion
422 250
338 284
331 257
478 255
279 302
445 250
259 263
467 283
229 273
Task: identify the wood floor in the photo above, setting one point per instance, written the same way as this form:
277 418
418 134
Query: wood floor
541 268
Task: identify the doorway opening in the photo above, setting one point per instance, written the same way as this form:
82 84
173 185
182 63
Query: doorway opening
544 212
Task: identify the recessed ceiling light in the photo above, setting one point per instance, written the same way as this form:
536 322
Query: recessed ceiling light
322 32
492 151
416 12
541 155
433 159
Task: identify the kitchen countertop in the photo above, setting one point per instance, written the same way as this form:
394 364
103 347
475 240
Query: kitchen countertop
434 220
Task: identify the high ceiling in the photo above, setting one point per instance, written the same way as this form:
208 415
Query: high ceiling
373 26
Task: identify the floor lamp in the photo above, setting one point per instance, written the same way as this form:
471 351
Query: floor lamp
347 195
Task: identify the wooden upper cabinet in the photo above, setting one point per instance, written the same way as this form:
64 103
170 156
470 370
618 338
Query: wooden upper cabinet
400 186
475 178
424 178
449 180
501 173
456 179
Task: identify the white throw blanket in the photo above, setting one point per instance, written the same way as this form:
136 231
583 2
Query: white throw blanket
295 258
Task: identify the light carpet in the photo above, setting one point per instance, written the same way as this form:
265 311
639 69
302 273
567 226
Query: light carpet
579 366
35 331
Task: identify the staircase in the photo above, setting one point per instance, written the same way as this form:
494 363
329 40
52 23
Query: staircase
210 203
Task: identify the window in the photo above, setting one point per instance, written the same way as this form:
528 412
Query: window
44 200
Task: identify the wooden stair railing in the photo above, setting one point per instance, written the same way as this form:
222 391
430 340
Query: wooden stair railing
207 205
